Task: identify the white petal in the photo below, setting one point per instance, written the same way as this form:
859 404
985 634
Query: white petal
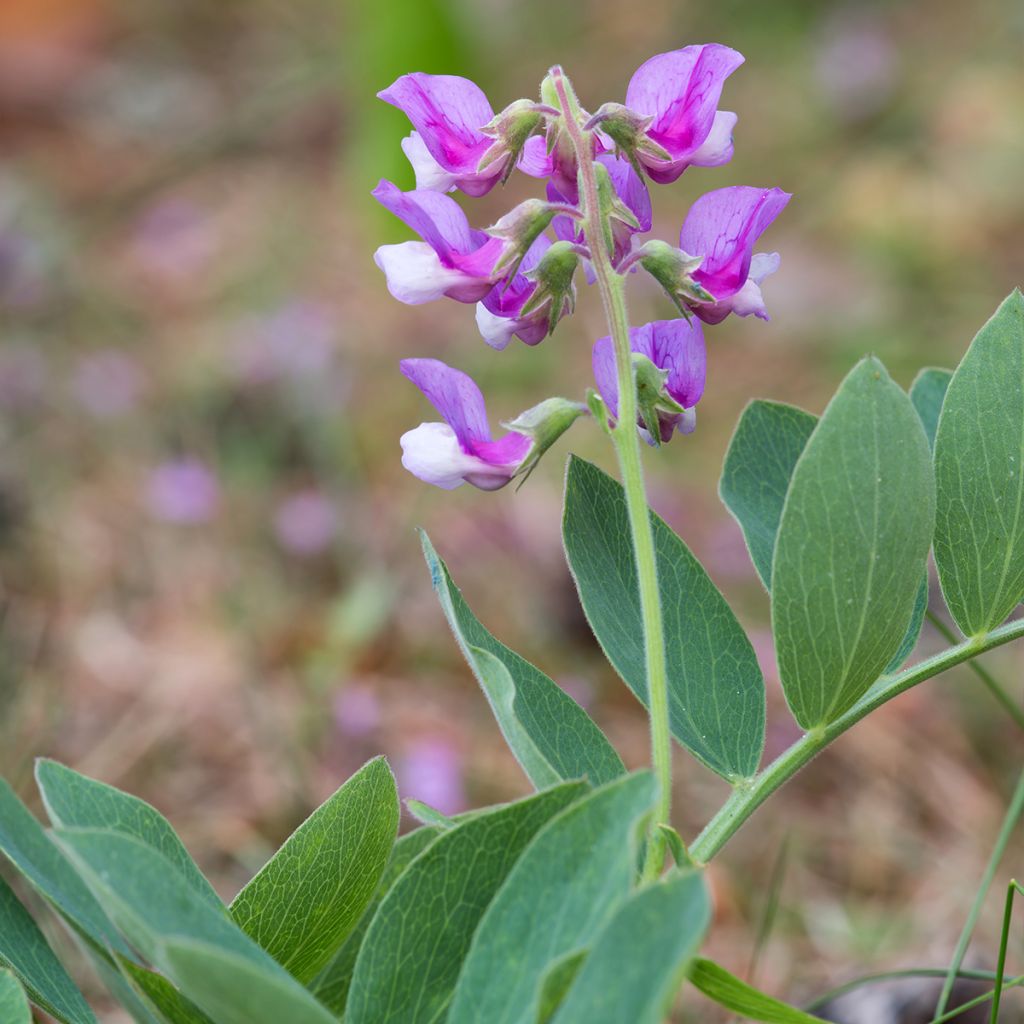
415 275
749 301
432 453
716 149
429 173
497 331
762 264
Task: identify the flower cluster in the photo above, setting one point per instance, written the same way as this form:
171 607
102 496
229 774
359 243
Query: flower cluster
521 271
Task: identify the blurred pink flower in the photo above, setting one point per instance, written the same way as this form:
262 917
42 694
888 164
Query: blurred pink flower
183 491
107 383
431 771
306 522
295 340
356 711
23 283
174 240
856 62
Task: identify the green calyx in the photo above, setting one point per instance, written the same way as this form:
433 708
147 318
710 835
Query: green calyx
510 130
673 269
544 424
554 276
652 397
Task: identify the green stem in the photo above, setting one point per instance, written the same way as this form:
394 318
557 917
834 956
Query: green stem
1013 813
750 795
1004 941
1016 713
626 440
909 972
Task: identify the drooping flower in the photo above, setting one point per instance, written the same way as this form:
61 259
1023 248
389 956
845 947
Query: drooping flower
721 228
461 449
458 141
453 259
673 346
675 96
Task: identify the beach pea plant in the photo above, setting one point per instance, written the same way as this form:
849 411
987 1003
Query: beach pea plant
579 904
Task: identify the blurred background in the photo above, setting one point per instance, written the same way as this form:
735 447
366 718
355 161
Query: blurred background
212 592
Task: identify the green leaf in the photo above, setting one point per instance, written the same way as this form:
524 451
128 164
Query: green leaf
76 801
552 737
24 949
759 464
727 990
637 962
160 996
162 916
927 393
234 990
565 886
331 985
913 633
312 892
979 470
412 953
14 1008
556 983
852 546
32 852
427 815
716 690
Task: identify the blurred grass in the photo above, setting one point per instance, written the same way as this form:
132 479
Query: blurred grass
186 186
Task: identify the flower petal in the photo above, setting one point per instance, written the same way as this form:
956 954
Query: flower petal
717 148
416 275
676 346
432 453
748 301
435 217
722 226
429 173
448 112
454 395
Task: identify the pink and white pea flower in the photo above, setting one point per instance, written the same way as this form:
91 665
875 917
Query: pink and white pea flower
721 228
459 450
499 314
676 346
680 91
450 114
453 259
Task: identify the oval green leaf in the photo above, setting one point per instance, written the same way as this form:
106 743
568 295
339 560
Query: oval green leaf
927 394
635 967
552 737
716 690
852 546
306 899
24 949
14 1008
426 922
563 889
759 464
979 472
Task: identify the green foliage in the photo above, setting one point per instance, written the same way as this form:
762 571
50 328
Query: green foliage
638 960
24 949
556 983
412 953
331 985
851 547
312 892
979 472
565 887
74 801
927 393
759 464
160 996
195 945
551 736
727 990
14 1007
716 690
30 850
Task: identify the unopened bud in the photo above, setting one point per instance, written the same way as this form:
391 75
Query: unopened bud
673 269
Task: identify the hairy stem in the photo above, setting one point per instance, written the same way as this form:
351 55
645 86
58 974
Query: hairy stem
626 440
747 797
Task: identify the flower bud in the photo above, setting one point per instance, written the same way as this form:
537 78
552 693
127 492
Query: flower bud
510 129
673 269
544 424
554 277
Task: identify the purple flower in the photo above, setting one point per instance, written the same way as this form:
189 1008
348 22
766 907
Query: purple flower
449 114
183 491
356 711
306 522
460 450
107 383
23 374
673 345
453 259
431 771
722 227
498 314
680 91
297 339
